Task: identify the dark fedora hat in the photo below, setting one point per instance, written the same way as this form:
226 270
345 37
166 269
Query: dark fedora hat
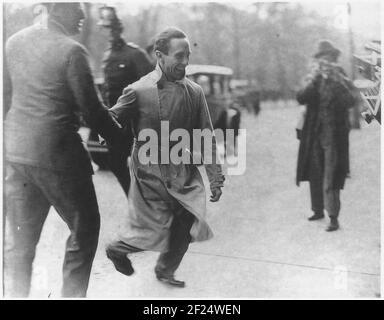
326 47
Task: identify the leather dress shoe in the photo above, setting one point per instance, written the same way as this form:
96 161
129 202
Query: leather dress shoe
333 225
121 262
316 216
170 280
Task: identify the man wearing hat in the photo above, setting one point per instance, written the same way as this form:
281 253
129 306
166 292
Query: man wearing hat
123 64
323 158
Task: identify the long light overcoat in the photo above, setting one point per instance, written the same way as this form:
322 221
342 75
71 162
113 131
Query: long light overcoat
158 189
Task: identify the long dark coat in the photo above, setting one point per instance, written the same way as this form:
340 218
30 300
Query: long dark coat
328 96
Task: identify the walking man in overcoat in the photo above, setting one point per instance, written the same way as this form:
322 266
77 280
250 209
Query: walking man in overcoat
167 201
324 144
123 64
49 84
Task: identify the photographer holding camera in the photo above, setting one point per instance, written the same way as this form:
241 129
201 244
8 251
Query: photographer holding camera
324 144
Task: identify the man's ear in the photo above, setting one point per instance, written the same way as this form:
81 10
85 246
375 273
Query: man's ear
158 54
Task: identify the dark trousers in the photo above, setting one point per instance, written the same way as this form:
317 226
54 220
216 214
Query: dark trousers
118 163
118 155
322 167
30 192
117 159
179 241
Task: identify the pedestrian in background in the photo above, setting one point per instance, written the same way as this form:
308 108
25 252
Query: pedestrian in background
48 85
324 143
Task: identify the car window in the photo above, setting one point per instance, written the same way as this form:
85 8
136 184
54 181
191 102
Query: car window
203 81
216 85
213 84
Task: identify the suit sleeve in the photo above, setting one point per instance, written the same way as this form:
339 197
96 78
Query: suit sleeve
94 113
211 163
346 92
309 93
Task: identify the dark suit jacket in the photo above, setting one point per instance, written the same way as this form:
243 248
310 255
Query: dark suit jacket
51 88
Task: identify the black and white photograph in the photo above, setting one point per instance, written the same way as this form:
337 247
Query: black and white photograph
191 150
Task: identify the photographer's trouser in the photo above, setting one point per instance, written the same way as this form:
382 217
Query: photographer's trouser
30 192
322 165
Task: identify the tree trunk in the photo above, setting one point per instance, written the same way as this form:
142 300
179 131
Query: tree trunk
236 43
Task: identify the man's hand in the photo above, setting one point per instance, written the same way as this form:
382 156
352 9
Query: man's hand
84 133
216 194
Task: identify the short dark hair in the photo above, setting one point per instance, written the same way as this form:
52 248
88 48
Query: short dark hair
163 39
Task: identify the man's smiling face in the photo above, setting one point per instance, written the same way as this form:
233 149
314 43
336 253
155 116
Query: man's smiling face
176 60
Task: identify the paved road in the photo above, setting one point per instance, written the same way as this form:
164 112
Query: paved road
264 247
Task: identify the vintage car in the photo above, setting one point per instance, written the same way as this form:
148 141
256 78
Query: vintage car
215 81
246 95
